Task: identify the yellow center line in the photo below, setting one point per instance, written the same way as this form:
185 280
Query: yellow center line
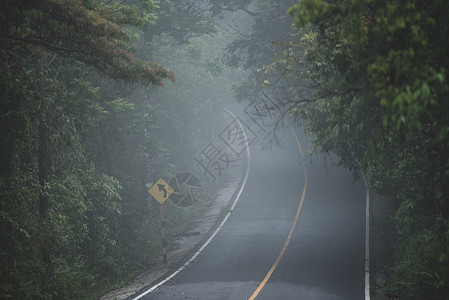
292 229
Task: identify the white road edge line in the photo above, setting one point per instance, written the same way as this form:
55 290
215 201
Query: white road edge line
367 232
219 227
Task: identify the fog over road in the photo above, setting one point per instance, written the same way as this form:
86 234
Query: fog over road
325 256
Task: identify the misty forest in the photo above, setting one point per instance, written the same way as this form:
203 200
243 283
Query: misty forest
99 98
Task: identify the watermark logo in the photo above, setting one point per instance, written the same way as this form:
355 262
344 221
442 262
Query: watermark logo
237 136
217 156
213 161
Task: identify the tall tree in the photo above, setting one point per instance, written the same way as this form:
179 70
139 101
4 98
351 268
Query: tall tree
48 188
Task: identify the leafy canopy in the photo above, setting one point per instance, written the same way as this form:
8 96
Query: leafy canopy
88 30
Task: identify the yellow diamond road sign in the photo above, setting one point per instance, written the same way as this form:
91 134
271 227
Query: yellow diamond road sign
161 191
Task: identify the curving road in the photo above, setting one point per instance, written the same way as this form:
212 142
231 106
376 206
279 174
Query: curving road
325 256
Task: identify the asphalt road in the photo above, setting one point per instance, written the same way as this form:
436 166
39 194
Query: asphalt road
325 256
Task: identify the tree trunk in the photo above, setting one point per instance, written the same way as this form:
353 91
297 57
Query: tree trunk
44 204
444 182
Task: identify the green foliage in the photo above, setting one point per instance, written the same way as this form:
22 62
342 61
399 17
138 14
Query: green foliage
368 80
78 232
89 31
104 138
380 103
180 20
416 274
396 45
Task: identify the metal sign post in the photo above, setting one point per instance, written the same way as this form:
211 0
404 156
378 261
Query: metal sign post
161 191
164 239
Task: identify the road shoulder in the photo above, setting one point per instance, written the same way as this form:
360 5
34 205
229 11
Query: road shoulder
198 231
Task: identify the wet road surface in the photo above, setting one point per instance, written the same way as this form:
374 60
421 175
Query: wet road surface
325 256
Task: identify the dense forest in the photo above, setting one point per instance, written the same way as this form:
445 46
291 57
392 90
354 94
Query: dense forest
99 98
368 81
87 120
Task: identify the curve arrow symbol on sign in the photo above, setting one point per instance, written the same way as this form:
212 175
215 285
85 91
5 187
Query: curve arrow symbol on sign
162 189
160 186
